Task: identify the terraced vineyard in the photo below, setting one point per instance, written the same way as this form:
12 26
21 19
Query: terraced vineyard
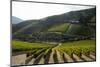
59 28
57 38
62 53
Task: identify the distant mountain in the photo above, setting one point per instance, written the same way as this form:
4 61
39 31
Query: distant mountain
16 20
24 25
73 23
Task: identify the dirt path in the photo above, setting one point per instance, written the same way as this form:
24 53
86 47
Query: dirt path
55 56
51 60
59 57
68 58
38 59
86 58
92 56
41 61
77 58
31 62
19 59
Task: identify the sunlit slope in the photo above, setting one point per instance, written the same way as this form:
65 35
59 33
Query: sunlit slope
77 47
59 27
70 28
24 46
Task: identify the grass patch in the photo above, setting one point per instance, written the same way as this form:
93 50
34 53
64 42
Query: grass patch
59 28
24 46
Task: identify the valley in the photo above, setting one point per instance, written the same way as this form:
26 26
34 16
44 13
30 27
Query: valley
65 38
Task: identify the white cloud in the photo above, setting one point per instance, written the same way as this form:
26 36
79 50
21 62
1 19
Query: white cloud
26 10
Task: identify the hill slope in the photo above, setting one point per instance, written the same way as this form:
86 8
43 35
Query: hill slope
80 23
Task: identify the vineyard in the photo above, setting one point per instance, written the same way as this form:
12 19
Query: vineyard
77 51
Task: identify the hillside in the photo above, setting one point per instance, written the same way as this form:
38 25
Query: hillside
74 23
59 27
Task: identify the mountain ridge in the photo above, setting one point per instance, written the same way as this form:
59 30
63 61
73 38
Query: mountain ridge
83 18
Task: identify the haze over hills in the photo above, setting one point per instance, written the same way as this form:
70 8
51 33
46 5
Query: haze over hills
16 20
81 23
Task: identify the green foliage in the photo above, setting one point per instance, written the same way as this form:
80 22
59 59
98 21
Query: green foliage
39 51
59 27
49 50
78 29
24 46
78 47
74 28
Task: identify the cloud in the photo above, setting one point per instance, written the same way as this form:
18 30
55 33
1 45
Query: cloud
26 10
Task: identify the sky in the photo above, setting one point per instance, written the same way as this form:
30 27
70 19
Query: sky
27 11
